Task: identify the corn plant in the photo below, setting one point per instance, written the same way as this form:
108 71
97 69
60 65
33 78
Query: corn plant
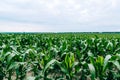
59 56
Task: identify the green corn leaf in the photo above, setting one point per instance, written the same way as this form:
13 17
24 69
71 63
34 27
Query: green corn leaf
106 60
13 66
62 66
67 60
30 78
116 63
99 61
90 54
64 69
91 57
92 71
48 64
72 59
75 64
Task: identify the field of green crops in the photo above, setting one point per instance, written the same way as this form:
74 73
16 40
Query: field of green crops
59 56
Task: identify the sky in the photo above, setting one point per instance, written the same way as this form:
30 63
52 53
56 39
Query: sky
59 15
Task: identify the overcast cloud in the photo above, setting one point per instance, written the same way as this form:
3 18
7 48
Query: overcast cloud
59 15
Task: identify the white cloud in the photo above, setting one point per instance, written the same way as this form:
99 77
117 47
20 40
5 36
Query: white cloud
22 27
59 12
56 7
114 3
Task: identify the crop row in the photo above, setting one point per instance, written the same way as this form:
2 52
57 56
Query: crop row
52 57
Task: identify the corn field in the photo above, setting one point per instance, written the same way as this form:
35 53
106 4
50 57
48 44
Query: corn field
59 56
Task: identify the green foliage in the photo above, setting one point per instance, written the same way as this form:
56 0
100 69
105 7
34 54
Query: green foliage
61 56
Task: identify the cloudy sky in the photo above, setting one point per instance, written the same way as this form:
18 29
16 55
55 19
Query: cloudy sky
59 15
